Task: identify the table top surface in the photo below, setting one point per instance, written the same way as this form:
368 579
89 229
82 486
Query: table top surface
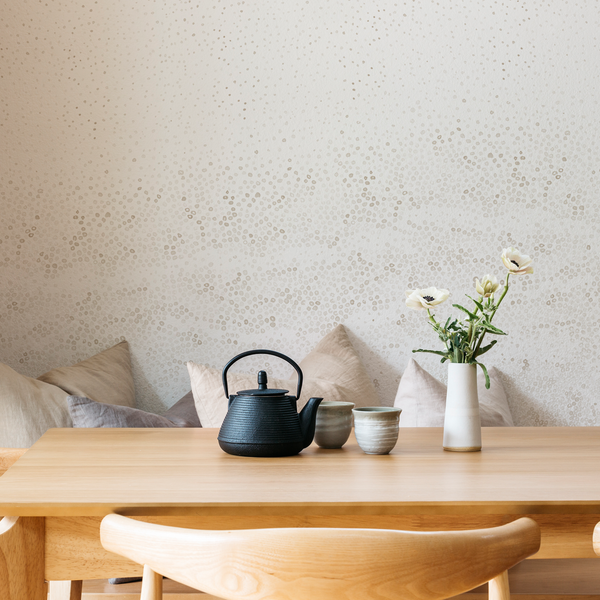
85 472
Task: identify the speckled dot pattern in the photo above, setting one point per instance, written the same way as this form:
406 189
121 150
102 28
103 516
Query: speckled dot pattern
205 178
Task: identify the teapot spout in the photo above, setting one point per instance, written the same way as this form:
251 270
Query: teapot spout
308 419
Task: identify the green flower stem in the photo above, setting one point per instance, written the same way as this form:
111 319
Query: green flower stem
434 323
438 329
501 297
504 292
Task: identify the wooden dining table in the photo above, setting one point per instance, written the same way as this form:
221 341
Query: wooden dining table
55 496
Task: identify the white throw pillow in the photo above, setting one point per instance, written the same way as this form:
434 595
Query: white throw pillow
422 399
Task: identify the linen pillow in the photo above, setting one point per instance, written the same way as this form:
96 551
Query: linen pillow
88 413
332 371
105 377
183 413
422 399
28 407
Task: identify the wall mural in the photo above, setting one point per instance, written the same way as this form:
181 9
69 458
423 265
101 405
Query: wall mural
205 178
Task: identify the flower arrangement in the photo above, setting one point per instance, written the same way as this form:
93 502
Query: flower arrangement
464 339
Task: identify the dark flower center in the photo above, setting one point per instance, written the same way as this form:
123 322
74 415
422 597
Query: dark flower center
514 262
430 298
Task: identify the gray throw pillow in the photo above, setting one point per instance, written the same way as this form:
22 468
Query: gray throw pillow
183 413
88 413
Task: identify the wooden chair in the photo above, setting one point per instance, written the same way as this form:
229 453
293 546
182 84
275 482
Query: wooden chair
323 564
596 541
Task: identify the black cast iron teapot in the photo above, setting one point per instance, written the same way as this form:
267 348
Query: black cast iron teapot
264 422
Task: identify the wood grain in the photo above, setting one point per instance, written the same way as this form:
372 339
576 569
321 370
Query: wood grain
499 588
22 559
529 580
73 548
77 472
152 585
65 590
8 456
324 564
172 590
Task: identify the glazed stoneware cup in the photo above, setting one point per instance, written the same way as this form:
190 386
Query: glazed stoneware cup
376 428
334 424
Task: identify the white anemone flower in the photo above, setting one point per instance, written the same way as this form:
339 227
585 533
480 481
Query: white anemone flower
515 262
487 286
427 298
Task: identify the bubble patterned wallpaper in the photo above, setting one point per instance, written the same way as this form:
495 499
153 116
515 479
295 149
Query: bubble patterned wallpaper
202 178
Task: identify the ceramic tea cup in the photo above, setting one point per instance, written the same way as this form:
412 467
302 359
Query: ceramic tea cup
334 424
376 428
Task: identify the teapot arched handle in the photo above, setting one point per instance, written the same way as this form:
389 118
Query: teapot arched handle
272 353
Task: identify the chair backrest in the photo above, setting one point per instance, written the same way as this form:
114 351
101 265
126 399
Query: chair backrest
596 541
8 456
324 563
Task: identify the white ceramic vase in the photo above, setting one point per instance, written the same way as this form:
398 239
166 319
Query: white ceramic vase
462 425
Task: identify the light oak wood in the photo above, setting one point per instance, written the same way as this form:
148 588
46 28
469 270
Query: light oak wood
568 579
499 588
539 579
22 559
74 477
471 596
8 456
73 548
65 590
324 564
172 590
87 472
57 590
152 585
192 595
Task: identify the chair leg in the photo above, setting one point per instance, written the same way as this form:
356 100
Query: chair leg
64 590
498 587
151 585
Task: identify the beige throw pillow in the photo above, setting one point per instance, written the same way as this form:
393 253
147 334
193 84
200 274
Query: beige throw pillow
332 371
28 407
422 399
105 377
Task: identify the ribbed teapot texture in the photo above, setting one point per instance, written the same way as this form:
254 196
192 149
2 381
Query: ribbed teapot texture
263 421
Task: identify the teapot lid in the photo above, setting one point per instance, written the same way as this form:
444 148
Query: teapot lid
262 388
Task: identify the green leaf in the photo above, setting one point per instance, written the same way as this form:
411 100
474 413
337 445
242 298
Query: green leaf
445 354
486 348
472 315
491 329
487 377
478 304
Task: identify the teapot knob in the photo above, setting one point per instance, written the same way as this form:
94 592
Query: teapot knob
262 380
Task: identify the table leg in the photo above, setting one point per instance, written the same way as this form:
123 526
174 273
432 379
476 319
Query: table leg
64 590
22 558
